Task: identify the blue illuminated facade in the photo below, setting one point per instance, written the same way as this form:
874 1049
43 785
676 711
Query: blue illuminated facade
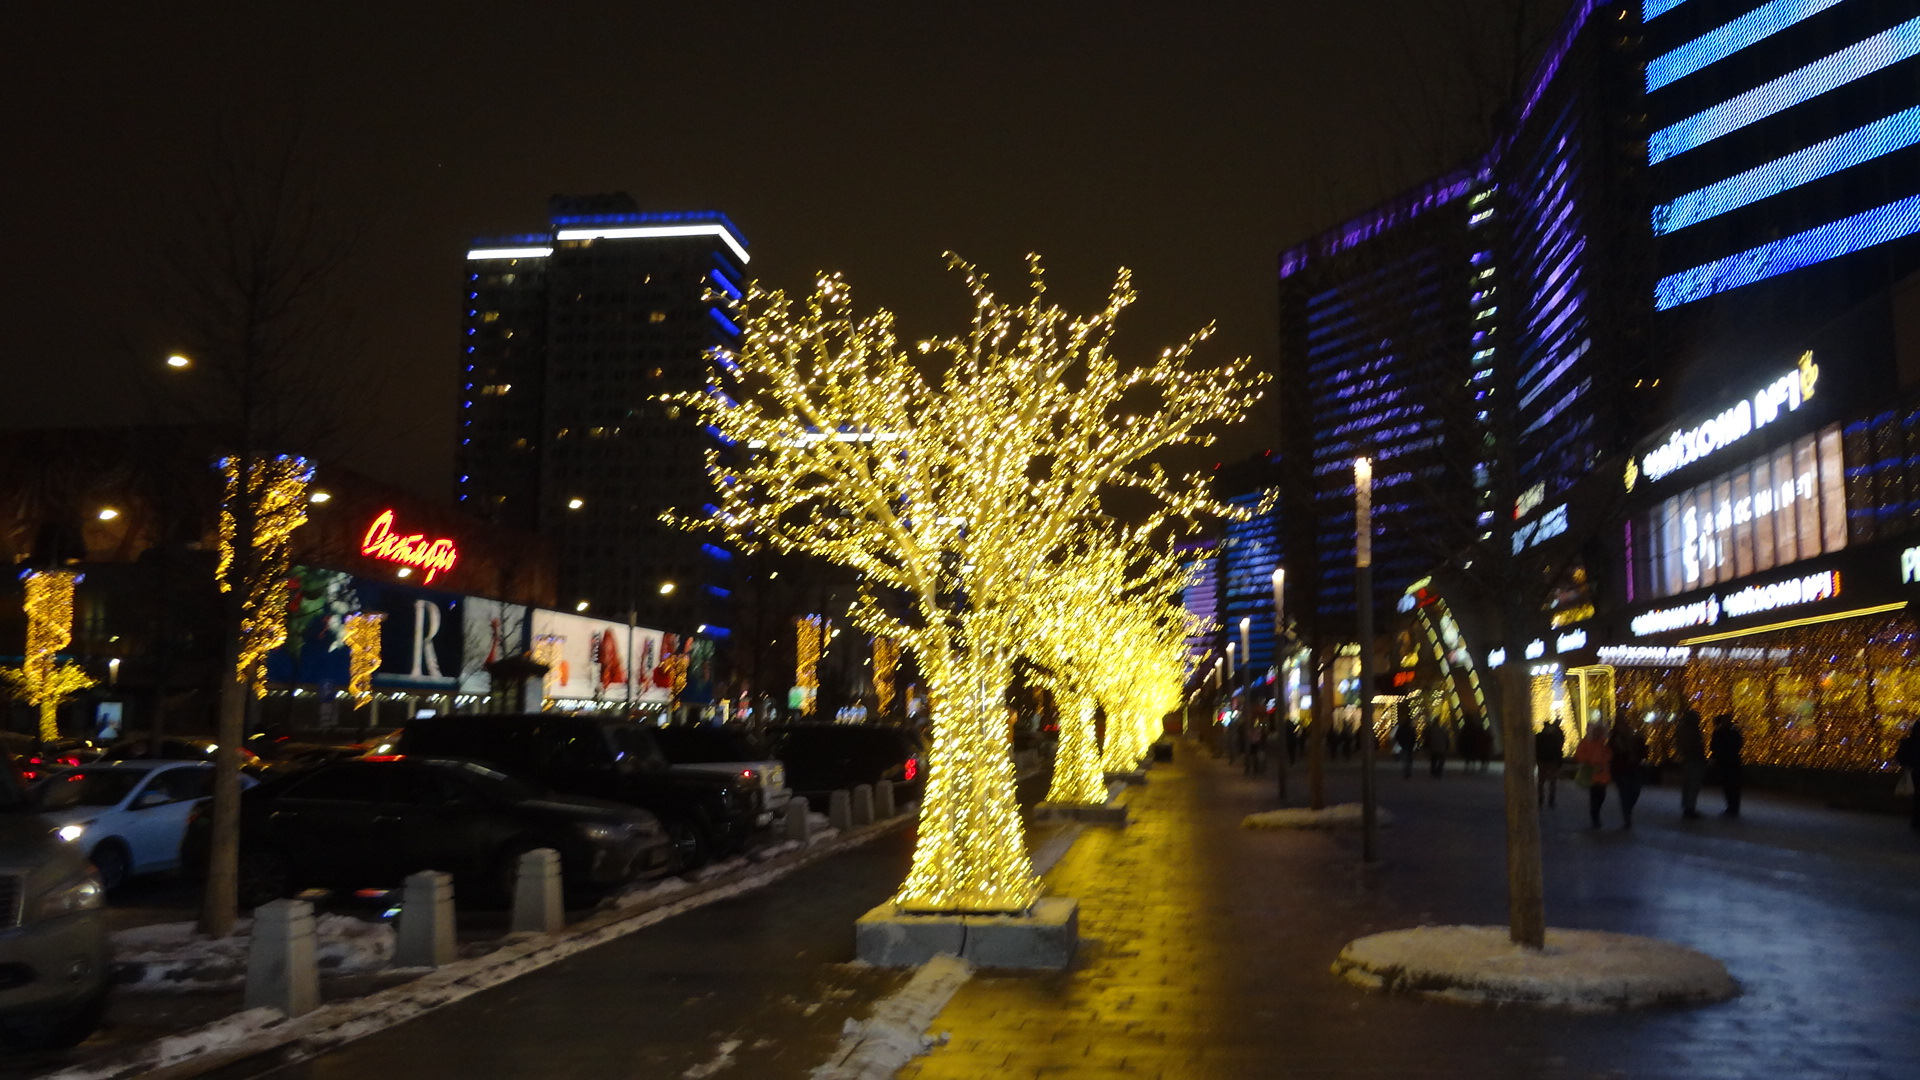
571 336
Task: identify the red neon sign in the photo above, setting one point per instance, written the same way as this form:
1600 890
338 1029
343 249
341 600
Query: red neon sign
432 556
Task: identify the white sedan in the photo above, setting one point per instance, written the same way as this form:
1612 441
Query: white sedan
128 816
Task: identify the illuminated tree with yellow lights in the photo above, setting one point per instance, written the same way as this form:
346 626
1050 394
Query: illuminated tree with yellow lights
274 502
361 632
886 664
948 476
810 640
42 680
1089 627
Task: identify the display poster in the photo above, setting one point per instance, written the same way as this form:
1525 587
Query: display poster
597 660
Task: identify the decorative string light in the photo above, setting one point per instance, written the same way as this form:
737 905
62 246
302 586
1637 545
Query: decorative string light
278 488
361 632
886 661
810 639
42 679
944 475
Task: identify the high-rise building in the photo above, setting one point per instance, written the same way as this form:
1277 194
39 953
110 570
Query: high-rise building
572 338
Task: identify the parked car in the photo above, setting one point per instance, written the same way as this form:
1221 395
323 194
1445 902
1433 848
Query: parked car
729 752
53 933
37 759
708 815
128 817
373 821
179 749
822 758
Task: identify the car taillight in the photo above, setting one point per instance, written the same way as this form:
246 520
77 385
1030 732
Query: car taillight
746 774
911 769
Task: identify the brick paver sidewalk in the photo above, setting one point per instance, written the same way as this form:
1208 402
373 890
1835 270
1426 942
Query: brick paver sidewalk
1207 946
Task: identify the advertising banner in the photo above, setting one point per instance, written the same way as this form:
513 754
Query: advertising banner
597 660
491 630
420 641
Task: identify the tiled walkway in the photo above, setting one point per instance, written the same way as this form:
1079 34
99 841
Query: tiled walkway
1207 946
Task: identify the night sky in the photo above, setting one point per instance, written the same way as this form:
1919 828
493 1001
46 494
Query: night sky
1190 142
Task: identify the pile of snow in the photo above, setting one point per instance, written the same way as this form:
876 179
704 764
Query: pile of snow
175 956
876 1048
1580 970
1338 816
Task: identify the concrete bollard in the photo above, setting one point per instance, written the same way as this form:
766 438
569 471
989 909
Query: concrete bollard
883 800
281 969
863 804
798 824
537 904
840 810
426 921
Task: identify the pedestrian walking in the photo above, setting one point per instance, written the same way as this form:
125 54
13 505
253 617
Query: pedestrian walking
1908 755
1594 759
1256 748
1724 750
1691 743
1629 756
1407 738
1549 752
1439 744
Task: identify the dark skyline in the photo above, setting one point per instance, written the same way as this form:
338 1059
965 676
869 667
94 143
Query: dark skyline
1190 143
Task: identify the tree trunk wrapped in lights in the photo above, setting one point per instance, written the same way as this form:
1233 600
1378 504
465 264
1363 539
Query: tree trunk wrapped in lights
361 631
810 640
886 663
257 520
943 479
41 679
1077 776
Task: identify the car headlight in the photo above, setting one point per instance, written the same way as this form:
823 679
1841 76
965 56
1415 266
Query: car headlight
605 832
81 893
70 833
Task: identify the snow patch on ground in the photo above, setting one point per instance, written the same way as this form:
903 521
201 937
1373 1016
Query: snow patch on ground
1579 970
175 956
1337 816
719 1061
876 1048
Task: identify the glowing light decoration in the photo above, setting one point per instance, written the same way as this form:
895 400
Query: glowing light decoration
361 633
658 232
1856 61
488 254
886 661
1652 9
414 550
278 487
1723 41
42 680
1003 440
1844 237
810 640
1823 159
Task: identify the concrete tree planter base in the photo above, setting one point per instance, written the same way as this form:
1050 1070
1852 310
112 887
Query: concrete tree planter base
1042 939
1107 813
1136 776
1578 971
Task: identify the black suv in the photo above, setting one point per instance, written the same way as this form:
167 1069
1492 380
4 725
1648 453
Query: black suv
822 758
707 815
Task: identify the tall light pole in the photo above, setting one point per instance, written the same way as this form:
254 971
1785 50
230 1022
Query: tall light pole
1284 728
1246 673
1363 599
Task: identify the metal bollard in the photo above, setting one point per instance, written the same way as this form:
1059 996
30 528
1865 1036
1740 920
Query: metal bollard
426 921
537 905
883 800
798 825
863 805
281 970
840 810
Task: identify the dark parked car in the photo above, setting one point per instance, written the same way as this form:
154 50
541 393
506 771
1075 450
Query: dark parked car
708 815
172 749
53 933
373 821
822 758
724 750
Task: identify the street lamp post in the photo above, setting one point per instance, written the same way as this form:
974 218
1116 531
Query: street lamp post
1284 726
1363 598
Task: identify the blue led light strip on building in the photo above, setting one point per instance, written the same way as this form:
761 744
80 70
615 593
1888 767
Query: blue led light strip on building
1652 9
1884 136
1844 237
1837 69
1721 42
